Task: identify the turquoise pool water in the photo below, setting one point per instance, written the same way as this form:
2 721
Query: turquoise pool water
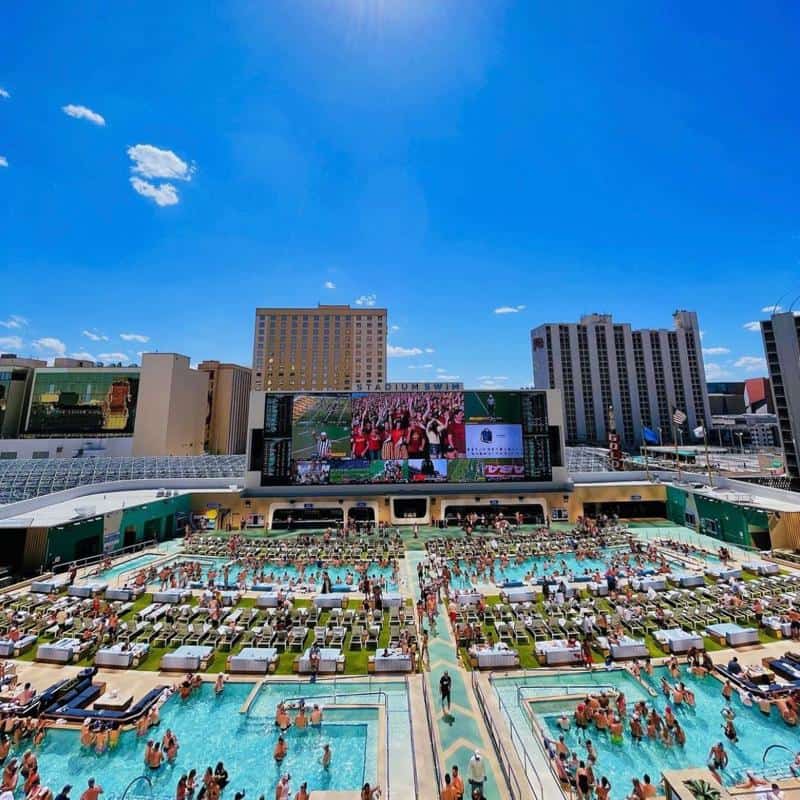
540 566
132 565
212 729
280 573
622 762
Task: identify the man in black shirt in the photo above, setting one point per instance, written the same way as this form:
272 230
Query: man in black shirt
445 683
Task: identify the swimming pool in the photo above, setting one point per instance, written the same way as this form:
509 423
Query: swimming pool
620 763
131 565
283 574
212 729
539 566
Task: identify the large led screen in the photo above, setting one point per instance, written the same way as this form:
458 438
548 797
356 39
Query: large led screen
411 437
83 401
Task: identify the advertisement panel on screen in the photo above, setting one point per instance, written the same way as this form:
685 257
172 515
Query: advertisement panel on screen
494 441
84 401
405 437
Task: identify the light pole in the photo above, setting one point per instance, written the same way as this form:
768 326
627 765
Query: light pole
660 437
741 445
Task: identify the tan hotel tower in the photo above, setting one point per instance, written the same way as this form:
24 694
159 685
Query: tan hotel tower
322 348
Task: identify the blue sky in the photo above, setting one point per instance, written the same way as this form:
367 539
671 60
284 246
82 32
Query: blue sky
169 166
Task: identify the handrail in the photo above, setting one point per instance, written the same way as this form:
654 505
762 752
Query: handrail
411 730
383 699
536 738
437 767
500 751
138 778
64 566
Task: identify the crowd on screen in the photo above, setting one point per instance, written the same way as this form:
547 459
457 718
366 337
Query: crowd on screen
389 426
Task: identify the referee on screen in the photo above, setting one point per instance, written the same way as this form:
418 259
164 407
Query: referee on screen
322 445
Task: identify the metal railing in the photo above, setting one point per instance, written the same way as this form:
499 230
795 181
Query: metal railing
65 566
535 735
383 699
437 767
411 731
512 782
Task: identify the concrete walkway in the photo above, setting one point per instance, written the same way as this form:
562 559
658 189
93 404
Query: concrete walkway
460 732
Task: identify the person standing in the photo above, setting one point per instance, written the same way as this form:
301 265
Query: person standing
92 791
457 783
445 686
476 773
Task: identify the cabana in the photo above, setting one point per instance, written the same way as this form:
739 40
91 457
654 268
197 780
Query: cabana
330 660
496 656
63 651
389 660
119 656
732 634
677 640
188 658
557 651
253 661
173 597
12 649
87 589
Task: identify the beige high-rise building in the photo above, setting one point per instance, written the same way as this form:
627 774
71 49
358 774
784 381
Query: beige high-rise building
228 397
322 348
172 407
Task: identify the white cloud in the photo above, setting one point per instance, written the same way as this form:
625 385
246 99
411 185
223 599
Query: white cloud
329 285
754 326
429 350
716 372
134 337
51 344
448 377
82 112
715 351
82 355
493 378
509 309
153 162
702 335
776 309
394 328
14 321
114 357
164 194
3 161
11 342
366 300
751 363
395 351
4 94
94 336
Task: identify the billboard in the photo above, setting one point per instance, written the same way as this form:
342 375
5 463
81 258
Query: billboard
397 437
85 401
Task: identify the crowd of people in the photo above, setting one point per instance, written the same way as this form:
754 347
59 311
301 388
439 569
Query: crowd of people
389 426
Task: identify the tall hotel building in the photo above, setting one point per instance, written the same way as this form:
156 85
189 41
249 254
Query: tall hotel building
781 336
317 349
643 375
